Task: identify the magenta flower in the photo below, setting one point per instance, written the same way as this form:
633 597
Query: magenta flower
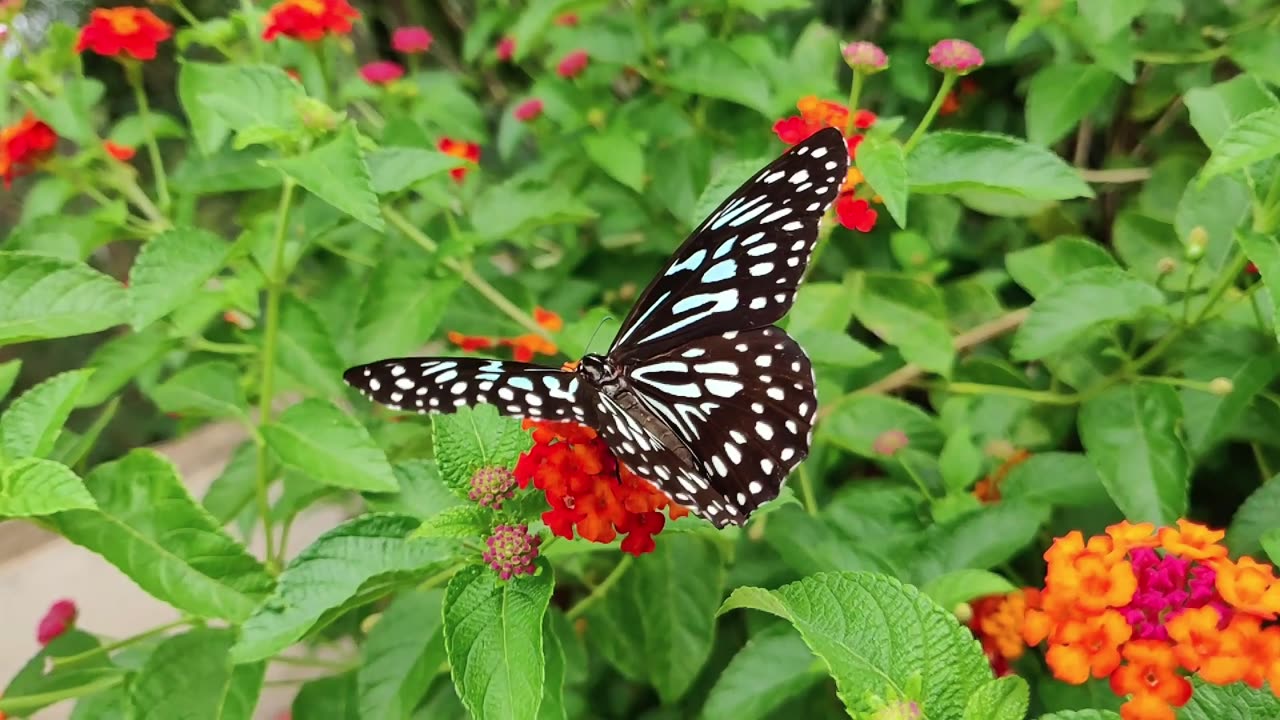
572 64
506 48
411 40
381 72
60 618
491 486
864 56
512 551
528 110
1168 586
955 56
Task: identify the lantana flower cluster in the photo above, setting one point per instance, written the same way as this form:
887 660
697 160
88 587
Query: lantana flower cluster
853 212
997 624
589 491
1144 609
523 347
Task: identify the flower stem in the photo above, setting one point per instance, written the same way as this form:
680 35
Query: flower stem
948 80
468 275
62 662
854 92
270 335
806 490
602 589
133 70
1040 396
24 703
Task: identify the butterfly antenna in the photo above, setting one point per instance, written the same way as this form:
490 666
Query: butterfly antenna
599 325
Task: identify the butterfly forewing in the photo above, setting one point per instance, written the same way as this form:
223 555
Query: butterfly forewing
741 267
744 402
442 385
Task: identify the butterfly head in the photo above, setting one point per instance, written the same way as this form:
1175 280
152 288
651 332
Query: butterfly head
598 370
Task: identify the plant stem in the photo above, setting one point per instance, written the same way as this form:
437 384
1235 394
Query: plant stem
266 391
1040 396
600 590
62 662
23 703
854 92
213 346
948 80
1199 385
194 21
314 662
468 275
806 491
133 71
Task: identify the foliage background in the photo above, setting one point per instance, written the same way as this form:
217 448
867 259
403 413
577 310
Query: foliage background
1130 252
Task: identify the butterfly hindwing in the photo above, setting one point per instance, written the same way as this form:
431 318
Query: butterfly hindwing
743 403
740 268
442 385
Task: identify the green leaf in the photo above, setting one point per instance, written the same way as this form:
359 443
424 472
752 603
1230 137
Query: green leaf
333 698
1081 715
1130 433
401 655
8 375
493 633
1210 417
905 312
256 101
1215 108
392 169
1228 702
33 487
328 446
189 676
1044 267
857 420
654 625
948 161
979 539
724 181
883 164
1004 698
1251 139
306 351
1256 516
120 360
877 635
1080 302
69 111
149 527
772 668
207 389
763 8
1059 97
508 210
1264 251
422 494
402 308
961 460
958 586
353 564
1271 545
619 156
552 706
132 130
834 348
460 521
32 422
170 268
475 438
39 683
1055 478
1108 17
336 173
44 297
714 70
235 487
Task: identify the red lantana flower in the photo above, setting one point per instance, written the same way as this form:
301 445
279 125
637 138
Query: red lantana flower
468 151
528 110
506 48
23 146
60 618
123 153
853 212
411 40
573 64
129 31
309 20
589 491
381 72
524 347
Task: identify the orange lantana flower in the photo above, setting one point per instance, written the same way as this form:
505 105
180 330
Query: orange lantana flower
1250 586
1126 536
131 32
1088 646
1201 646
1193 541
309 20
1150 675
123 153
23 146
589 491
468 151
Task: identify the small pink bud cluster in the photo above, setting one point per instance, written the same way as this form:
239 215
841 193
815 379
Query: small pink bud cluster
491 486
512 551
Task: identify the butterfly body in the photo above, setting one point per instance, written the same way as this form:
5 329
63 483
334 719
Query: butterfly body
700 393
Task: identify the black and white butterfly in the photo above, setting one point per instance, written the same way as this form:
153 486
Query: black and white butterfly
700 393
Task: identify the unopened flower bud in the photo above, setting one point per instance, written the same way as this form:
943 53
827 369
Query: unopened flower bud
512 551
955 56
316 115
1197 241
1166 265
865 57
1221 386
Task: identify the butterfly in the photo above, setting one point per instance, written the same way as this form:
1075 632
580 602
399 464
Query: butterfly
700 393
